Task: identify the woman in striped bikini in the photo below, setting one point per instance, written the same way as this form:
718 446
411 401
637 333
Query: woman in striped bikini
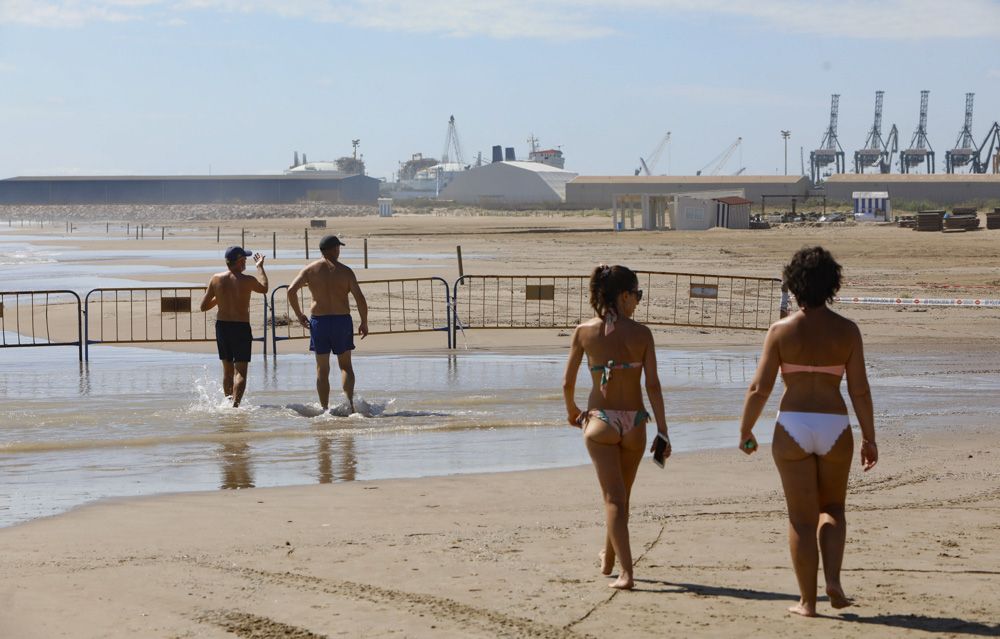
813 444
619 350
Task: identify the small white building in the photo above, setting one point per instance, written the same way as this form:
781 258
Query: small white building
687 212
871 205
702 211
509 183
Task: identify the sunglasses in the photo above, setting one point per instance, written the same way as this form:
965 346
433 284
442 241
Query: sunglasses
638 294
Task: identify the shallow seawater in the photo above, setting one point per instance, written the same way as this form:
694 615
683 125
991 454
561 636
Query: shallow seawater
29 263
139 421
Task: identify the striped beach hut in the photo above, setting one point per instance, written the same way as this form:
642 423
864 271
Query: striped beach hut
872 205
732 212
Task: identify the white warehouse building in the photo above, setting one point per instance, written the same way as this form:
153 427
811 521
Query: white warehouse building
509 183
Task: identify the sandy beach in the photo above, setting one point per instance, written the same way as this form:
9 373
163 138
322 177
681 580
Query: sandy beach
515 554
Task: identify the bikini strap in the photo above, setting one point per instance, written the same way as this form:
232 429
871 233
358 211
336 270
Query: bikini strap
609 321
606 376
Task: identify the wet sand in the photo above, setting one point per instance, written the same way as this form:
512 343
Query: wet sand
514 554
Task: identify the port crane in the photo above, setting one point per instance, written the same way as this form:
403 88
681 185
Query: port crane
965 146
450 141
647 168
991 144
877 152
715 164
829 151
920 147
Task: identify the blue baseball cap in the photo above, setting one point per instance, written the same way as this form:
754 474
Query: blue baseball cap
234 253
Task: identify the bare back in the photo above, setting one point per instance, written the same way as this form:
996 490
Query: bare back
817 337
329 283
232 293
628 343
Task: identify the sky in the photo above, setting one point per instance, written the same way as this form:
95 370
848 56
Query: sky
195 87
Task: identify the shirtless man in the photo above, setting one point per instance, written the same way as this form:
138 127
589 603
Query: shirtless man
230 290
330 325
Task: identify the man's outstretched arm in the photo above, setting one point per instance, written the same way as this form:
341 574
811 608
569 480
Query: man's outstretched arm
261 279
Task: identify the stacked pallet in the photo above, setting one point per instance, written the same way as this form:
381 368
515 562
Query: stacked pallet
929 221
993 219
906 222
961 223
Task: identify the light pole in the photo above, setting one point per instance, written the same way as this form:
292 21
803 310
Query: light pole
784 136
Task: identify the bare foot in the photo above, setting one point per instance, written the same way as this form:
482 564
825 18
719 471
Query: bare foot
837 597
607 564
622 583
804 610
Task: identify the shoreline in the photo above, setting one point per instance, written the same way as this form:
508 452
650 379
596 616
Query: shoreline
708 533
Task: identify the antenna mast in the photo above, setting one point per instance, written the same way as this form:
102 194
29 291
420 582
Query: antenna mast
451 140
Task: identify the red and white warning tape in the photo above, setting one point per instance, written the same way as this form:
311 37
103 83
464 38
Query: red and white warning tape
918 301
989 287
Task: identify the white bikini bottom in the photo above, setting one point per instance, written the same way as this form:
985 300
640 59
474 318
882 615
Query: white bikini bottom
815 433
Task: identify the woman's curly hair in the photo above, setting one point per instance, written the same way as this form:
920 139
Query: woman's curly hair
813 276
607 283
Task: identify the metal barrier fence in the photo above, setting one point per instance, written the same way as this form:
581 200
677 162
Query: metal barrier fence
563 301
157 314
428 304
411 305
40 318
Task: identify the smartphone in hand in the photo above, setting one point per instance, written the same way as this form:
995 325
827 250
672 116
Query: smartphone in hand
660 448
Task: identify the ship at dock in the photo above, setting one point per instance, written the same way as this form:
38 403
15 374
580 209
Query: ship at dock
423 176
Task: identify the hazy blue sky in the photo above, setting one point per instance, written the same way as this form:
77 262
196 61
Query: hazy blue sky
157 87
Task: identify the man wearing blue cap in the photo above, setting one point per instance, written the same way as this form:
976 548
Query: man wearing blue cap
331 328
230 290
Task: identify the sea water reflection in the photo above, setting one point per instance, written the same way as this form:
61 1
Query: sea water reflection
139 422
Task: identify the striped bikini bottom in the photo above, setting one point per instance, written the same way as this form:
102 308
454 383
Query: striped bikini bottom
622 421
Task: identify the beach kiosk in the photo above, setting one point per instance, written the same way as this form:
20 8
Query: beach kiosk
385 207
871 205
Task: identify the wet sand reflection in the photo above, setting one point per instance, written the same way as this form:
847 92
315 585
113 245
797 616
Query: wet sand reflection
348 460
234 454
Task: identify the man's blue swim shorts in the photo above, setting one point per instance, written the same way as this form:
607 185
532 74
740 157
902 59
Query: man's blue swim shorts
331 333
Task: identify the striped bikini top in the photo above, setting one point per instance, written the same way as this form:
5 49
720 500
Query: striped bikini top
837 370
606 371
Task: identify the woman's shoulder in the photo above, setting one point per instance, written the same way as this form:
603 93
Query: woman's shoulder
845 323
637 329
589 327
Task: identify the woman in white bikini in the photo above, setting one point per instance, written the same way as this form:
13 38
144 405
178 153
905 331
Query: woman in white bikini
619 350
813 445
